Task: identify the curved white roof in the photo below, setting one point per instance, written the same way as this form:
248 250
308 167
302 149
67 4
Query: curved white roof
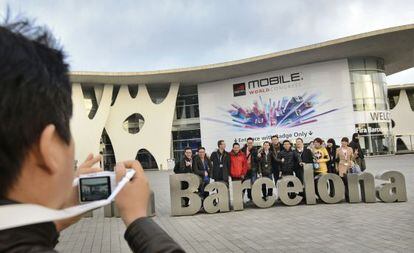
395 45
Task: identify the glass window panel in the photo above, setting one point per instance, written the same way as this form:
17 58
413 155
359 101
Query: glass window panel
358 90
197 112
369 104
356 63
378 90
368 89
359 104
378 77
358 76
179 112
380 104
370 63
380 64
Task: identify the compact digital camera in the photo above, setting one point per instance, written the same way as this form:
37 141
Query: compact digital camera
100 185
96 186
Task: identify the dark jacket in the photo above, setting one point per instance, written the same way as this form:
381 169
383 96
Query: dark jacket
265 163
288 166
181 167
355 146
306 156
253 160
142 235
275 149
332 159
221 166
198 166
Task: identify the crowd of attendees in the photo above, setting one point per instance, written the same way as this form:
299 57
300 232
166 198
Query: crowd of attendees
273 160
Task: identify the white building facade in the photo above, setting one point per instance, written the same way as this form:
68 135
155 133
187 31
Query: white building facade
328 90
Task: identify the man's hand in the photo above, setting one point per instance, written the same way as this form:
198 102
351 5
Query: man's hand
132 200
85 168
283 160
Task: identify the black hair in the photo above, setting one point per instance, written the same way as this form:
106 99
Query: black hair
318 140
34 92
250 139
266 142
287 141
219 143
331 141
299 139
236 143
354 137
201 148
275 136
188 148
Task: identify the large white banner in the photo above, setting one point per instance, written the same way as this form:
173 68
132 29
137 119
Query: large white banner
307 101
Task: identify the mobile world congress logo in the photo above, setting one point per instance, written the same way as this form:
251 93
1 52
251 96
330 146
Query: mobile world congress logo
264 84
239 89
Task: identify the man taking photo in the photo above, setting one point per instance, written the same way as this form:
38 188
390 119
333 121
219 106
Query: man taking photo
37 149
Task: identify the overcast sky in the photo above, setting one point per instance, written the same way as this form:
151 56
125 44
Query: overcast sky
152 35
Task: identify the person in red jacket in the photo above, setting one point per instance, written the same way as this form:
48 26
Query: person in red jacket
238 163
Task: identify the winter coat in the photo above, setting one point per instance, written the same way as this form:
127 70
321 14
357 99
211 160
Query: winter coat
238 165
221 166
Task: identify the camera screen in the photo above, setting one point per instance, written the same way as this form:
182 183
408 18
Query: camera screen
96 188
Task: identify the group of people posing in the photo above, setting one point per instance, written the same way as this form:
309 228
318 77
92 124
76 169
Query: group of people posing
273 160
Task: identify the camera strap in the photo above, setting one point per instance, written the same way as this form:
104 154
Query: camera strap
17 215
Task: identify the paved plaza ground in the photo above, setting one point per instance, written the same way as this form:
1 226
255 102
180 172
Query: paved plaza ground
344 227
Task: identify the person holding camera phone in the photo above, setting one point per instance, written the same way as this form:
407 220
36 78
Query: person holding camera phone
37 149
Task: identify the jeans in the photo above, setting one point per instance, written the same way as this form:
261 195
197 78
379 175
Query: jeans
184 201
253 178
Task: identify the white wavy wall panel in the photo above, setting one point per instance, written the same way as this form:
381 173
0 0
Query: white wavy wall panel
154 136
403 116
87 132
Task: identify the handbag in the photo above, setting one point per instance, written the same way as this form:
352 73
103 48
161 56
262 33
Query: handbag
355 168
